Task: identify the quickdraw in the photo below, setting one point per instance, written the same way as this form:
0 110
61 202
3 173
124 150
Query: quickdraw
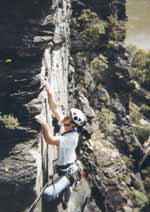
79 177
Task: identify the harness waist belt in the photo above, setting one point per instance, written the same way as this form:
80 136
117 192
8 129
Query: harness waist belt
65 166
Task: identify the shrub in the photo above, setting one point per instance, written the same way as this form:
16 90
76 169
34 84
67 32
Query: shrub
9 120
139 197
146 178
99 64
148 66
135 114
94 31
145 109
92 28
140 59
138 74
128 161
142 133
80 57
87 16
140 65
131 49
116 28
106 118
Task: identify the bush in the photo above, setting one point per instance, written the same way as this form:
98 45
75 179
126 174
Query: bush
135 114
146 178
140 64
116 29
142 133
128 161
93 31
148 66
131 49
106 118
92 28
139 197
140 59
9 121
145 109
87 16
99 64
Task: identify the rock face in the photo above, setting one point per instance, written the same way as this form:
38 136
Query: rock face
110 150
34 46
78 46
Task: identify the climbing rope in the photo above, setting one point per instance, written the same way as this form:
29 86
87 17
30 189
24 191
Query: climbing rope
44 168
34 204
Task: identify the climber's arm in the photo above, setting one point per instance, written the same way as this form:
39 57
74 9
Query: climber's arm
53 104
48 137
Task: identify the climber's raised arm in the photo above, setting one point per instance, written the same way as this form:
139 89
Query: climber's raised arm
53 104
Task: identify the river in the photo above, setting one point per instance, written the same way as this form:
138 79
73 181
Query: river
138 25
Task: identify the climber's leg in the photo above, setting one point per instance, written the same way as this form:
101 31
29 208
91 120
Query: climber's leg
67 194
52 192
65 197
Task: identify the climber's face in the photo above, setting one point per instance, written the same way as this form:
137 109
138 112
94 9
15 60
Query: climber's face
67 121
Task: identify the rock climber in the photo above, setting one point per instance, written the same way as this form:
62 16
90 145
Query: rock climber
66 142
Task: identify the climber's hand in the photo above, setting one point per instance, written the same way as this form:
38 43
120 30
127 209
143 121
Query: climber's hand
40 119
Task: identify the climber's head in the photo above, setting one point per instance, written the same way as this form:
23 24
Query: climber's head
75 118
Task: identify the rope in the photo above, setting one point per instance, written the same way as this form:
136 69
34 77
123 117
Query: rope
32 207
44 171
44 168
34 204
44 160
54 170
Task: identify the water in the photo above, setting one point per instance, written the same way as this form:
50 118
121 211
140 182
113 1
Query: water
138 26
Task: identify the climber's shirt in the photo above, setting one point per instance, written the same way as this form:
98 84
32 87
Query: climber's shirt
67 147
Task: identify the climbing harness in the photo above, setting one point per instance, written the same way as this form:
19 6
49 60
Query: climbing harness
74 172
80 176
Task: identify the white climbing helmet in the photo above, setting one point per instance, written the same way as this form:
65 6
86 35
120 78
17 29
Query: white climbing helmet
78 117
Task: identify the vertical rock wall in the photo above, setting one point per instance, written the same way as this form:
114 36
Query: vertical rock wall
110 150
34 45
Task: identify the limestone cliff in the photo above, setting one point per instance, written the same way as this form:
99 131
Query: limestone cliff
78 46
34 46
110 150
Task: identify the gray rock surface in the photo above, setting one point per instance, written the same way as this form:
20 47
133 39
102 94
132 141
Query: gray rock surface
44 39
110 150
35 47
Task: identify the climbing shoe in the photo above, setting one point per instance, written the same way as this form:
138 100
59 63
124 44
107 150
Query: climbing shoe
64 205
